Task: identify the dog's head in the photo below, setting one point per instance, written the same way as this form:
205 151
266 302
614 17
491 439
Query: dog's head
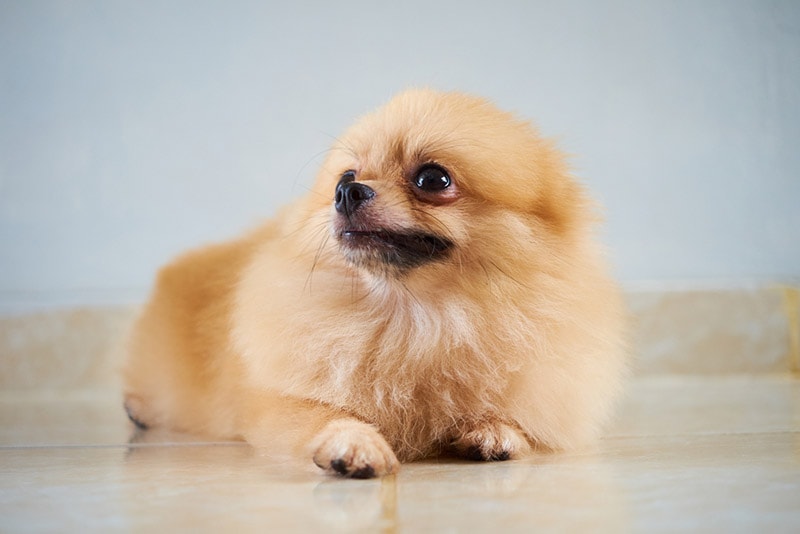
435 179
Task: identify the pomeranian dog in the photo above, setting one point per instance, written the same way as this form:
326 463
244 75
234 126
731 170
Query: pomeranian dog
437 291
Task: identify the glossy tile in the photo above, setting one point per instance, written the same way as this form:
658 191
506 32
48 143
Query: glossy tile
673 405
711 332
77 419
697 454
734 482
653 406
88 419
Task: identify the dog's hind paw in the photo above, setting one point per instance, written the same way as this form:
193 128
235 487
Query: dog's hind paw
134 407
491 442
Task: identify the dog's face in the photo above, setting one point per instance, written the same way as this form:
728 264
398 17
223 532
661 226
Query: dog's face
373 236
433 179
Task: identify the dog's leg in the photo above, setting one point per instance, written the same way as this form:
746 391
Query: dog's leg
337 442
490 441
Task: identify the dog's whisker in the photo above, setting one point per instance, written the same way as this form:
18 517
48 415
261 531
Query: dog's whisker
303 168
341 144
503 272
315 262
431 218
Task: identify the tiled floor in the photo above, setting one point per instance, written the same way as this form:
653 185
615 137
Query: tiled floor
690 453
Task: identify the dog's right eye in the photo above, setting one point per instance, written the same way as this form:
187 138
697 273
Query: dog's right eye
432 179
348 176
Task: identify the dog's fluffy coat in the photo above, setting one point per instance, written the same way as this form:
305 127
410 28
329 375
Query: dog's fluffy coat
308 336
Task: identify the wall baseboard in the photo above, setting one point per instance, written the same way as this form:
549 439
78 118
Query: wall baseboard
694 331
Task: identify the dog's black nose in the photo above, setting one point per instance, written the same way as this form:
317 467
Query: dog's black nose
351 195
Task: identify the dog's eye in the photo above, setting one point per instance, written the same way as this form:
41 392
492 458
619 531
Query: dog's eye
432 179
348 176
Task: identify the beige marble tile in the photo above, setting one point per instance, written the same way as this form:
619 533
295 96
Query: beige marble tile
90 419
711 332
653 406
63 349
698 454
677 405
724 483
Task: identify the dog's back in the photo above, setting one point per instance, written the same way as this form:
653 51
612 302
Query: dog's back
178 359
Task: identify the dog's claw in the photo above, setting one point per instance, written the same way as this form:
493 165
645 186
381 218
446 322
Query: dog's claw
132 414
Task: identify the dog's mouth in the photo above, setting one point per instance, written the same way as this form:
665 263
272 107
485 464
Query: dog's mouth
398 249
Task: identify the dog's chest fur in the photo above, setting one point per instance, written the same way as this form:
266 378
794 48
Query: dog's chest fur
420 374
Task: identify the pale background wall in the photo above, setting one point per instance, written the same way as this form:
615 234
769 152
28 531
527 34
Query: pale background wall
130 131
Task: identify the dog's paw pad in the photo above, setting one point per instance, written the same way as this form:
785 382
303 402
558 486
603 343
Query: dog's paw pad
341 466
486 454
491 442
355 450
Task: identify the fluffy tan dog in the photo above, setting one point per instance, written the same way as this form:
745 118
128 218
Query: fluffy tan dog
437 291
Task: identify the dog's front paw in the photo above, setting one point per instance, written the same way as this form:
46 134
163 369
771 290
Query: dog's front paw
491 442
353 449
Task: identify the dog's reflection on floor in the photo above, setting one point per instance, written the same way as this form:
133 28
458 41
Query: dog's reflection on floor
195 480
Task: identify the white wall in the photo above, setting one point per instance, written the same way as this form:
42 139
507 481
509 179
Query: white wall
130 131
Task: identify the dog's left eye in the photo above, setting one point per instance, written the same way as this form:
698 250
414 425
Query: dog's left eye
432 179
